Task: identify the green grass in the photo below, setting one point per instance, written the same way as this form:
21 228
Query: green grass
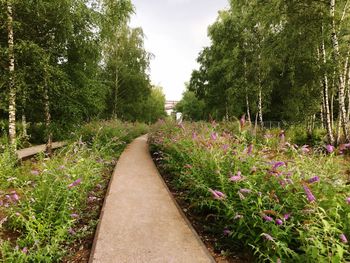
50 205
268 209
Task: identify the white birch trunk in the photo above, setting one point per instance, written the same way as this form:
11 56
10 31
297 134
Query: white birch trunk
11 67
341 83
246 91
325 90
47 115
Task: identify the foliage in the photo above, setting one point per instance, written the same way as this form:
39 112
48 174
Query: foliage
191 107
261 193
48 205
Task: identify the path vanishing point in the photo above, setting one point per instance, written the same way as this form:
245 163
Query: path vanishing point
140 222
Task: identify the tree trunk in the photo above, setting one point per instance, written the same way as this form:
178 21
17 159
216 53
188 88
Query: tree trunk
11 67
327 112
116 89
47 115
341 83
246 91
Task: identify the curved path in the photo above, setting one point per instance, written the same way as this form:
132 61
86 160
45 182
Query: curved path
140 221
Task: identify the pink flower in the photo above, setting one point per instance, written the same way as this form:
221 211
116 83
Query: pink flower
279 222
305 149
250 149
217 194
330 148
237 177
25 250
214 136
286 216
242 121
75 183
74 215
348 200
267 218
343 239
34 172
15 197
227 232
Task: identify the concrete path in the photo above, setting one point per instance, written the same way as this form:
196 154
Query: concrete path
28 152
140 222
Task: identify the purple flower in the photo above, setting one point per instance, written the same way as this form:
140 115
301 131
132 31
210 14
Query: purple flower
15 197
313 179
330 148
310 197
267 236
194 135
278 164
236 178
25 250
279 222
74 215
267 218
348 200
286 216
214 136
217 194
75 183
343 239
62 167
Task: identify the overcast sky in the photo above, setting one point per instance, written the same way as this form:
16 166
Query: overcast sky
176 31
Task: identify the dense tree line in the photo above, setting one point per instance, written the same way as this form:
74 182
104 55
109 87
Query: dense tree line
64 62
279 60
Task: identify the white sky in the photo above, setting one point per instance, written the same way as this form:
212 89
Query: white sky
176 31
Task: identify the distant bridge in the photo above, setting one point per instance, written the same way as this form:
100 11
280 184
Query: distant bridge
170 104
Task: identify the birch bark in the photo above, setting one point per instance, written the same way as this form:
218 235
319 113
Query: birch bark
341 83
11 67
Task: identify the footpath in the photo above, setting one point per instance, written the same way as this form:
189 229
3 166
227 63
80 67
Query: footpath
140 222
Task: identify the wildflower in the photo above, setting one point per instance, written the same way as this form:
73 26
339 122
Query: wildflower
194 135
91 199
286 216
279 222
245 191
71 231
34 172
313 179
217 194
62 167
305 149
237 177
278 164
225 147
25 250
238 216
17 214
227 232
250 149
310 196
330 148
74 215
343 239
267 237
214 136
348 200
242 121
15 197
75 183
282 135
267 218
278 260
